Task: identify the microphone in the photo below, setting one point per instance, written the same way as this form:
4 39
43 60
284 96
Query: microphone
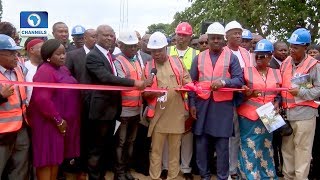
153 72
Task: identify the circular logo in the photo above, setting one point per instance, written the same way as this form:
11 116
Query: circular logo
34 20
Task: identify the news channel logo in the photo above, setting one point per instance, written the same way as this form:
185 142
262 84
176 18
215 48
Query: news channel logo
33 23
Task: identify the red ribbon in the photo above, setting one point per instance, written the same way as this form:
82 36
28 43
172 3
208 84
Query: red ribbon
198 89
195 87
79 86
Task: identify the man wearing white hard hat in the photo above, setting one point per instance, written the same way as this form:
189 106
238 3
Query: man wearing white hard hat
214 68
127 66
234 38
167 111
186 54
233 32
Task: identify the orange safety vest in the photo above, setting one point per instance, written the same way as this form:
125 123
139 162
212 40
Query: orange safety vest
13 111
287 73
254 81
177 68
245 56
208 74
131 98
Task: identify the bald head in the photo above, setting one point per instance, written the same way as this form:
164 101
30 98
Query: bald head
105 36
90 38
104 27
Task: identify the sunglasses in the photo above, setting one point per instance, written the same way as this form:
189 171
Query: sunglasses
260 56
203 42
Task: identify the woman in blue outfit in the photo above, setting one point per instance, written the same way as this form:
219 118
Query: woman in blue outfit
256 151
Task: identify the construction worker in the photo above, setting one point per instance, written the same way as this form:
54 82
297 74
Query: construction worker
127 65
14 140
233 32
246 39
301 110
214 68
181 49
77 33
167 111
186 54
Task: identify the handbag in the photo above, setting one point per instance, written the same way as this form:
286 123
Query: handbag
285 130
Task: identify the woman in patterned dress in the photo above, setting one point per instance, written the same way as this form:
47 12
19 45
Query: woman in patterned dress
256 151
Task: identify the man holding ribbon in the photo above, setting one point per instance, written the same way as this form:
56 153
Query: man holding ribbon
214 68
167 112
300 107
105 106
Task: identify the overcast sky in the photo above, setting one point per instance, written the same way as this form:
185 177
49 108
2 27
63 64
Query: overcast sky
92 13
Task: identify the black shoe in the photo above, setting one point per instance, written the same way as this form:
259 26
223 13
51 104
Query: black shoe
129 176
164 174
188 176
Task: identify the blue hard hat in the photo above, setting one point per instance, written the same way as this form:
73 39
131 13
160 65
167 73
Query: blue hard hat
264 46
78 30
300 36
7 43
246 34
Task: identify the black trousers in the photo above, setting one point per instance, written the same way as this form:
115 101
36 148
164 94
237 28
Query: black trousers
100 147
125 139
141 158
276 143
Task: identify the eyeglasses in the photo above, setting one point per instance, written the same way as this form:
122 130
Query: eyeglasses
260 56
203 42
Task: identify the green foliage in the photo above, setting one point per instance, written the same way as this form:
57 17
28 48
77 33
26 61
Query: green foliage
167 29
277 18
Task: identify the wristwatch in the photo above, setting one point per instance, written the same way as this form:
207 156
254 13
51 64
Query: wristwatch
223 82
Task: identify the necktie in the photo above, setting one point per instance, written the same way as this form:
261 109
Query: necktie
110 61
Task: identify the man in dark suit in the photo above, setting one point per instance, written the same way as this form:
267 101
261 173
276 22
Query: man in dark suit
280 54
105 106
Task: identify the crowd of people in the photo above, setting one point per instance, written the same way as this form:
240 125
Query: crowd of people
190 105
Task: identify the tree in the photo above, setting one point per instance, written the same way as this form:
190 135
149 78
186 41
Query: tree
276 18
164 28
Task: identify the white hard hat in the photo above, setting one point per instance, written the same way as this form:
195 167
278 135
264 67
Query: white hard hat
233 25
128 38
215 28
157 40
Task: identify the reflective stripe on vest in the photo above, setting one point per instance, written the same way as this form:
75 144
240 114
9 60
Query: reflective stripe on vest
245 54
287 74
131 98
13 112
178 72
254 80
208 74
187 58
